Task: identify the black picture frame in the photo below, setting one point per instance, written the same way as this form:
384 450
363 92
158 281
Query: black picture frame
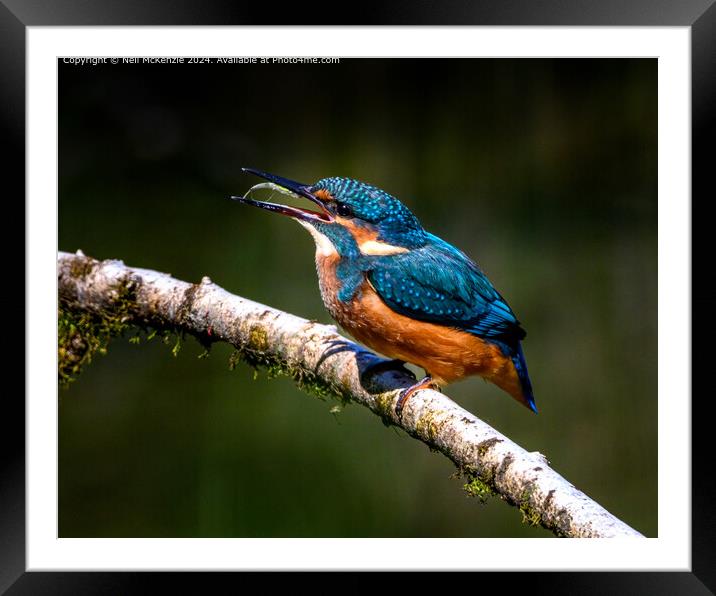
700 15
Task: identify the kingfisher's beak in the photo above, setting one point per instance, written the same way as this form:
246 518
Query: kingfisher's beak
287 187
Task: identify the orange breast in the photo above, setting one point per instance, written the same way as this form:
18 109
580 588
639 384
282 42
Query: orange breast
446 353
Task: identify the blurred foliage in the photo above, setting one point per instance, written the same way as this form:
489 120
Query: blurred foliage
544 171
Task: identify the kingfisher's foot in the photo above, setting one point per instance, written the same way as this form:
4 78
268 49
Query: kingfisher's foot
424 383
385 365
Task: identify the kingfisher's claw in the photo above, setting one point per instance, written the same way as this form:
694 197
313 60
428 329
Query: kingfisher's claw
382 366
424 383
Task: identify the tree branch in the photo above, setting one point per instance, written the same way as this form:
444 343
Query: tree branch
317 356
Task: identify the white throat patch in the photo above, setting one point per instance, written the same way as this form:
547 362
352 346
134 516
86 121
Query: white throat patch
324 247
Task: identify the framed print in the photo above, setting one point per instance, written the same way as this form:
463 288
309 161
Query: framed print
576 138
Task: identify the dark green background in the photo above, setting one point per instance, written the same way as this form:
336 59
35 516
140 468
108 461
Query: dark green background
544 171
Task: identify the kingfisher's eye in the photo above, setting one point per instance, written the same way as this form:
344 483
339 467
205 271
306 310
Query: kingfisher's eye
344 210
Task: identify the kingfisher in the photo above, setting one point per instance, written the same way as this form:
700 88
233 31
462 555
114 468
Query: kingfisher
401 290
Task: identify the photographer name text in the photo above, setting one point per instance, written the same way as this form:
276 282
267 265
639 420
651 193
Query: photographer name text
94 61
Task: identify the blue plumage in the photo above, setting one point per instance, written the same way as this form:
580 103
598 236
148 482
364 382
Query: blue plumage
374 206
518 358
438 283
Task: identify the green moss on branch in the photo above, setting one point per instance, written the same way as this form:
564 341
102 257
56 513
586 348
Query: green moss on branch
477 484
82 334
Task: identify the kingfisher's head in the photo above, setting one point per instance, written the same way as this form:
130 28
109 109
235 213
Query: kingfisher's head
353 217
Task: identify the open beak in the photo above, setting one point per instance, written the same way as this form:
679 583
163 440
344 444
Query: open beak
290 188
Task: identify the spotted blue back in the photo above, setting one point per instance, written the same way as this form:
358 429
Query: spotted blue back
440 284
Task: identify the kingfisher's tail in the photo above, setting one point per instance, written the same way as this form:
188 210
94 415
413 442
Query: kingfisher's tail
518 359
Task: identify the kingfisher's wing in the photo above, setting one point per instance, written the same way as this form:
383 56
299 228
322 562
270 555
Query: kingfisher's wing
440 284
